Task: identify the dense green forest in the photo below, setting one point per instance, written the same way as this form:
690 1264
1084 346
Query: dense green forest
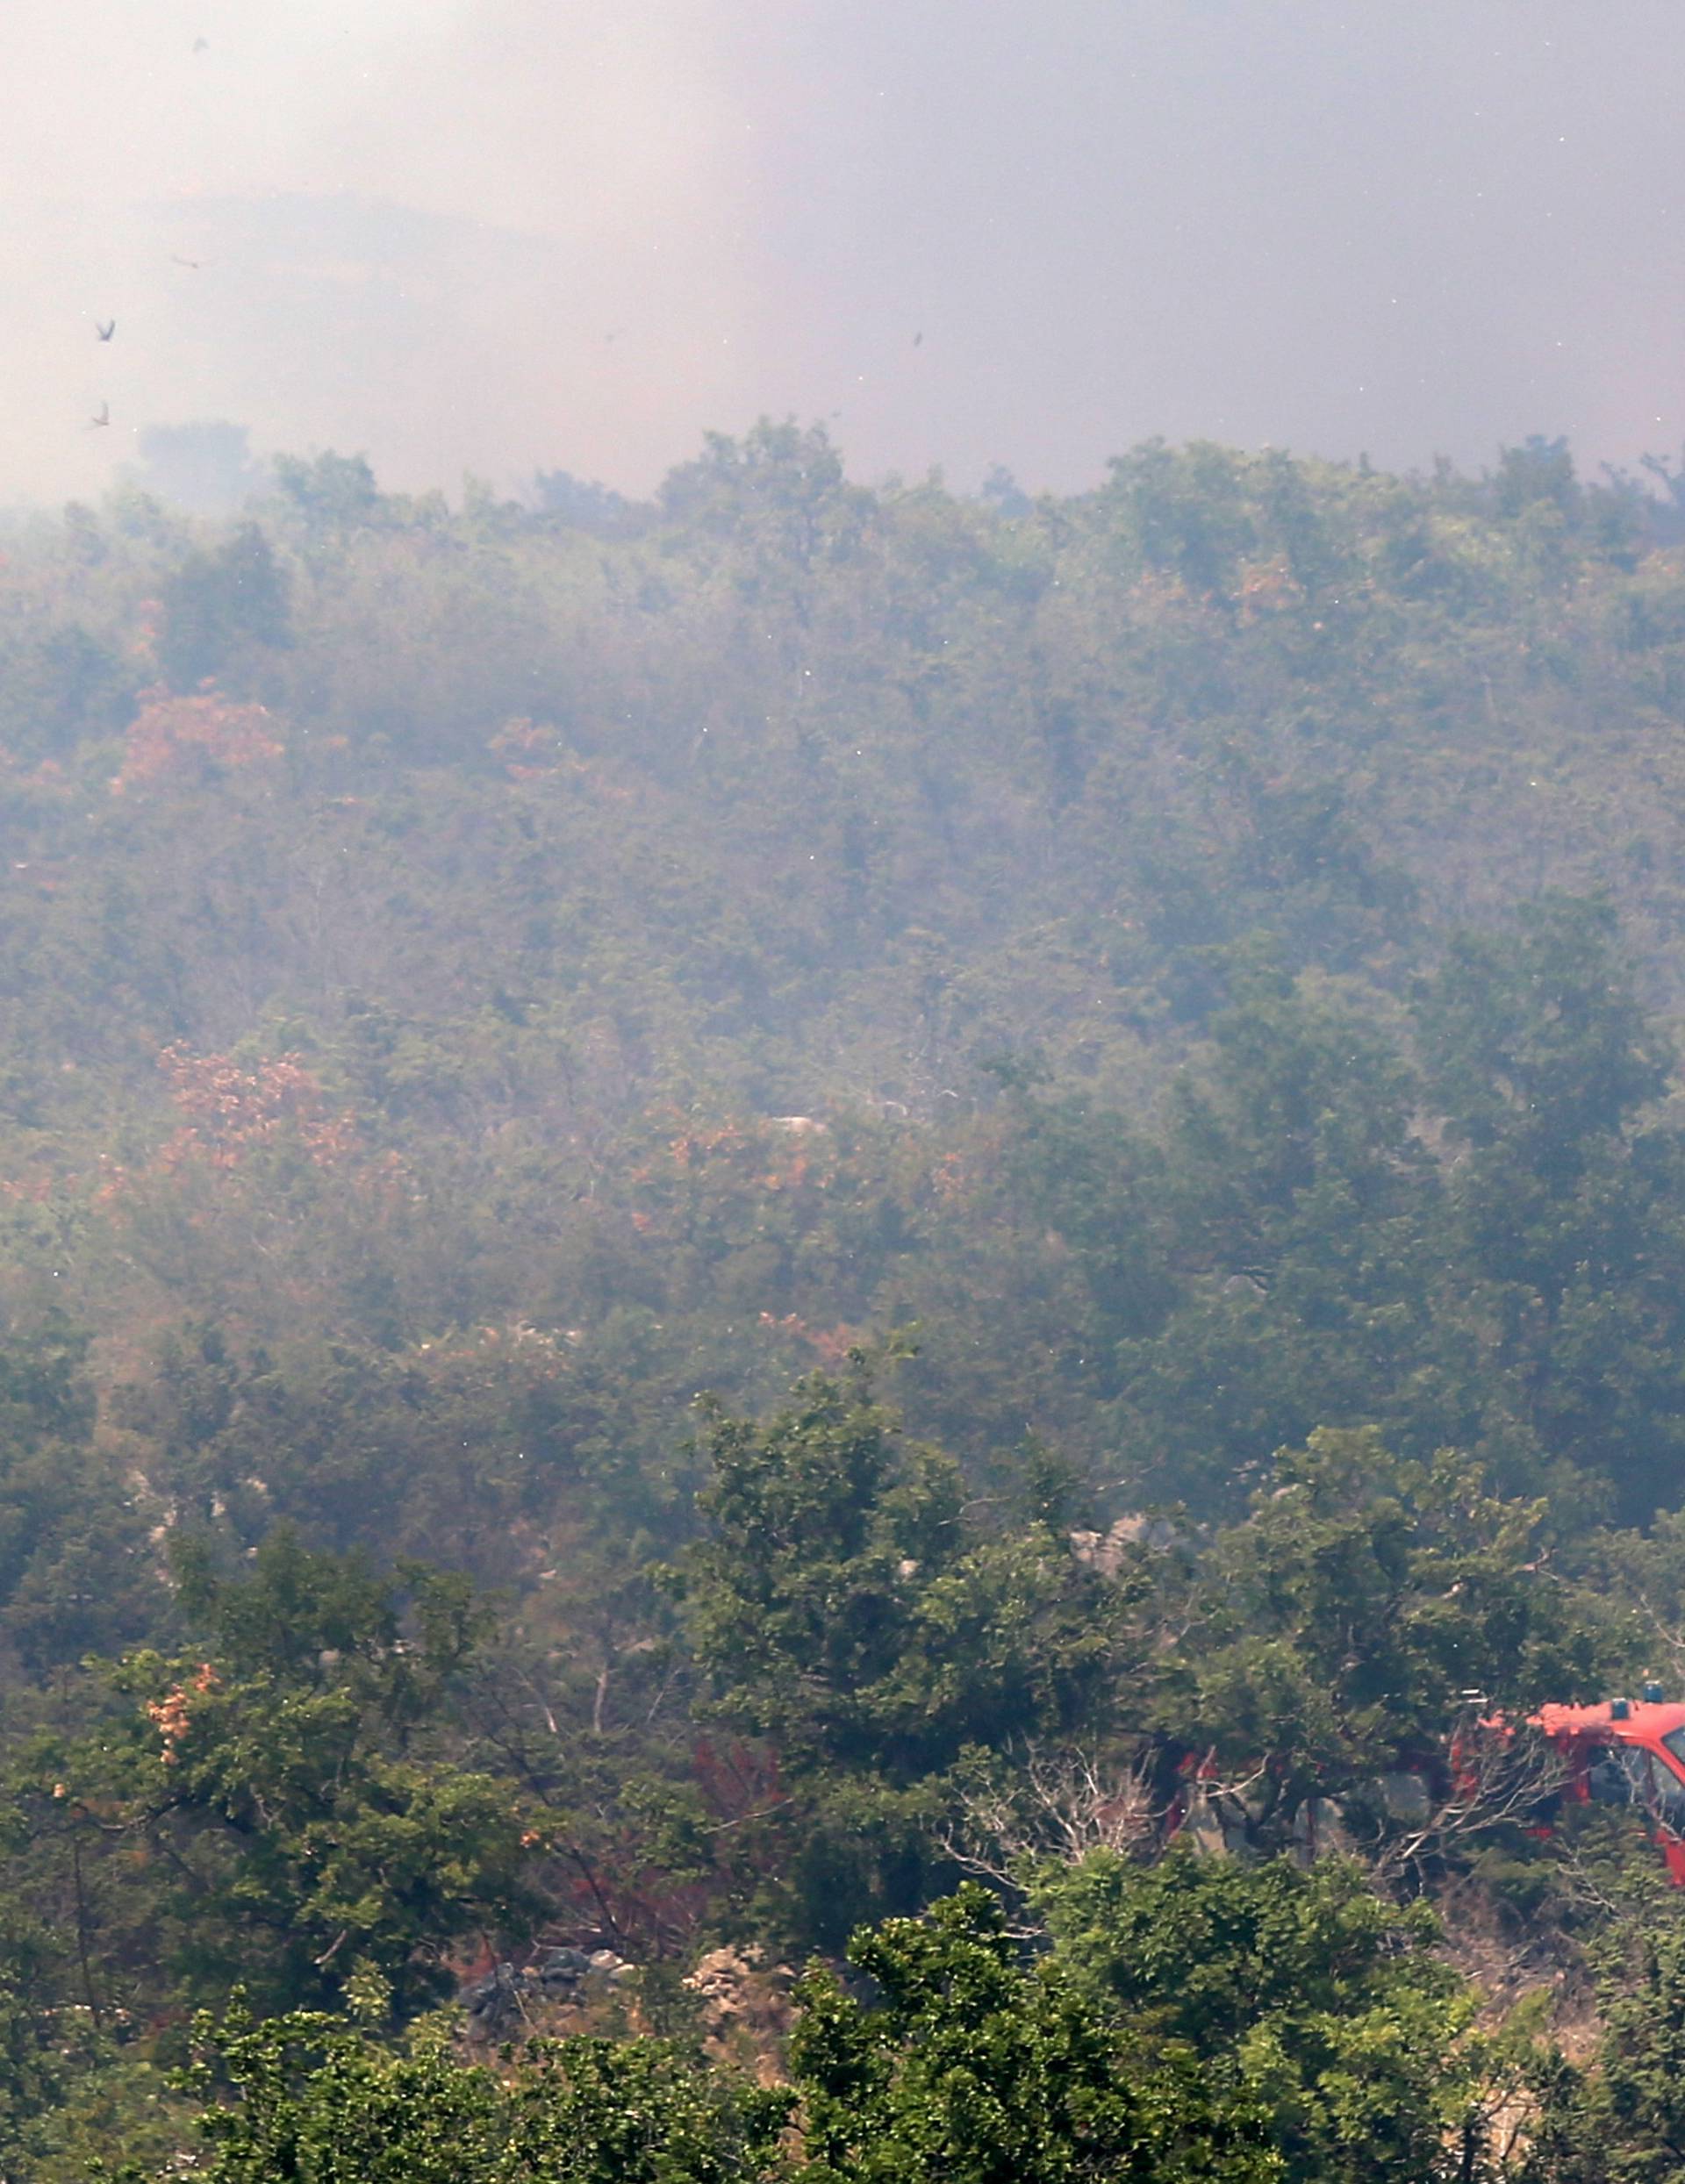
783 1273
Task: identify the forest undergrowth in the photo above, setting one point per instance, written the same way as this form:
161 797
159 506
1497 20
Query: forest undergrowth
840 1244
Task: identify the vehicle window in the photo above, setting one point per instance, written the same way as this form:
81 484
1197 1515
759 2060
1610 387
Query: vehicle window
1654 1786
1627 1774
1607 1782
1669 1790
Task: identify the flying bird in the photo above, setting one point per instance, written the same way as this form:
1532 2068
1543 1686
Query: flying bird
201 45
193 265
918 341
105 417
104 328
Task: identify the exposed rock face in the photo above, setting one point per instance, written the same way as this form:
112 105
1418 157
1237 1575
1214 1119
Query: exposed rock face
746 2008
511 1998
1107 1551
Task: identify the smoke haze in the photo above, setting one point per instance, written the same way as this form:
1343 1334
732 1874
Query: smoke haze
491 235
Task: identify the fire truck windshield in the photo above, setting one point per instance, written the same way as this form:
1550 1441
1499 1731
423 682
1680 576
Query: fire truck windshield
1675 1740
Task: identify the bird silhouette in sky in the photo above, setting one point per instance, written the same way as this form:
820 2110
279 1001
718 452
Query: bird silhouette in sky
104 328
193 265
105 417
918 341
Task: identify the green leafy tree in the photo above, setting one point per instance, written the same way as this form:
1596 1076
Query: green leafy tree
74 1573
1567 1199
1330 2006
313 2098
1540 1048
293 1804
334 493
840 1605
1620 2117
971 2066
1337 1630
221 607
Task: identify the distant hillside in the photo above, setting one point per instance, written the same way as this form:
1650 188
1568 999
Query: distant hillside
712 1213
418 920
802 791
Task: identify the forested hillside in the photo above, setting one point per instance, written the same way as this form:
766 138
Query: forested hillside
811 1209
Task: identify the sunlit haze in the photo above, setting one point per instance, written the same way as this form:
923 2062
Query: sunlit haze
491 235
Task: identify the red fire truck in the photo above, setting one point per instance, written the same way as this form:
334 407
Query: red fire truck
1629 1752
1619 1752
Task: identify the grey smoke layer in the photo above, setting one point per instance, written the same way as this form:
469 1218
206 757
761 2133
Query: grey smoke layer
491 235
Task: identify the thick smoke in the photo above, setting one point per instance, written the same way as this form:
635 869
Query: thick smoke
491 235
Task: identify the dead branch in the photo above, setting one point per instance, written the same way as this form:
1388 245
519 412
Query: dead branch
1063 1806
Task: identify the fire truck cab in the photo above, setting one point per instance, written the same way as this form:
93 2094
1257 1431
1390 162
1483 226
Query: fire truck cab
1626 1752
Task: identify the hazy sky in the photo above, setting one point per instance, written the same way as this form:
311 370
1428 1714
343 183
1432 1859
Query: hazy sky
502 234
